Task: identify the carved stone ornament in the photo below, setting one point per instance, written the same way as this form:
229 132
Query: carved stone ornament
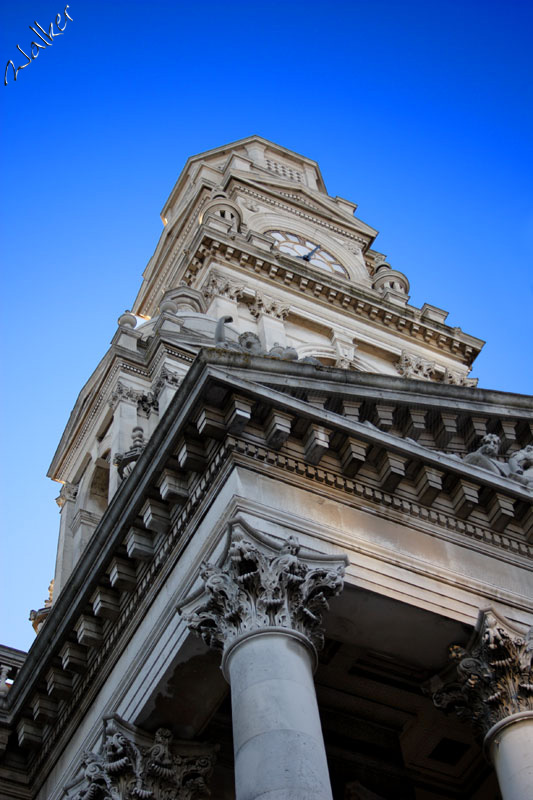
519 468
133 765
258 304
251 343
413 366
125 462
459 379
259 586
166 377
145 402
68 491
493 675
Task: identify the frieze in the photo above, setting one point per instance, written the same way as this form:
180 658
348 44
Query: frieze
391 501
493 675
110 649
315 220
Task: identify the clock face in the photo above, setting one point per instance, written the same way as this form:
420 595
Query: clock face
295 245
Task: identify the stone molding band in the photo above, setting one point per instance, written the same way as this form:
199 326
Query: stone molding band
490 736
272 629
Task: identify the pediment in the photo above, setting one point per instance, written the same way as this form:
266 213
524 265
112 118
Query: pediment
290 192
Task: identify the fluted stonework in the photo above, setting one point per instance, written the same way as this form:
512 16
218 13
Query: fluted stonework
494 677
255 589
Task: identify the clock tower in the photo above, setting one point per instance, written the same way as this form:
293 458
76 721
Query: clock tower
293 531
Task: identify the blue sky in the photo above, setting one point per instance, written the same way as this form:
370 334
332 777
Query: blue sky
420 112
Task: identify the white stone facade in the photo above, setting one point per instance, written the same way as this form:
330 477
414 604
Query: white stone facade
282 455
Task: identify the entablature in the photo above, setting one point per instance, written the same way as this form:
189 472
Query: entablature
256 256
367 441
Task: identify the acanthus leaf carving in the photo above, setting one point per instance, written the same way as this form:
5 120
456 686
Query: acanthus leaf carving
166 377
493 676
255 589
413 366
132 765
145 401
219 286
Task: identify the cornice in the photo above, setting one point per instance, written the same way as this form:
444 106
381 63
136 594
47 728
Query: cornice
225 444
359 237
268 190
292 275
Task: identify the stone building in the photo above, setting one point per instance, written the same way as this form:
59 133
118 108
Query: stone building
295 545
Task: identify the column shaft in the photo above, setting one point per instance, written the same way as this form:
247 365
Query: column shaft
278 742
511 750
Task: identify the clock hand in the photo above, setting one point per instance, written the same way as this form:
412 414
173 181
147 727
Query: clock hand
311 253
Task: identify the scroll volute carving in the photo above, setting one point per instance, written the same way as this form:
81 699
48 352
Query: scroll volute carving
132 765
257 587
493 675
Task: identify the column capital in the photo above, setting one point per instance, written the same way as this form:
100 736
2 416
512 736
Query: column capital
261 586
131 763
493 676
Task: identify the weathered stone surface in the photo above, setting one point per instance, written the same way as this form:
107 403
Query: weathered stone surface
494 674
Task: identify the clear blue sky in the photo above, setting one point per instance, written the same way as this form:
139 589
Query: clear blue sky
421 112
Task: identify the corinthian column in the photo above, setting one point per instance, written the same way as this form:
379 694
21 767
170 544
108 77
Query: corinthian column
493 689
263 610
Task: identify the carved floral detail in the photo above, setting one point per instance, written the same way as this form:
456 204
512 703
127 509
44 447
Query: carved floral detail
145 401
494 676
254 589
129 767
459 379
220 286
166 378
413 366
